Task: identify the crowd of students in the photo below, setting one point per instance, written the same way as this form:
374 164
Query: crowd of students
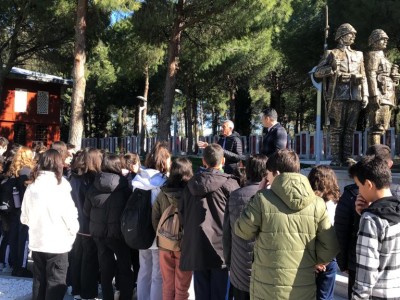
268 235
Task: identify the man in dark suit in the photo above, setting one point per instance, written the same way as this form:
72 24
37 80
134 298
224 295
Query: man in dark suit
275 137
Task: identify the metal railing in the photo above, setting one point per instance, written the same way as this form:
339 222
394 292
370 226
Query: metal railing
304 143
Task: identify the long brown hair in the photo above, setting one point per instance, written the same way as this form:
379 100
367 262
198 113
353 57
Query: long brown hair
324 183
87 161
50 160
158 157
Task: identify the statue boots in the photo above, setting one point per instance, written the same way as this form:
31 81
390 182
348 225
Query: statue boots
347 148
335 149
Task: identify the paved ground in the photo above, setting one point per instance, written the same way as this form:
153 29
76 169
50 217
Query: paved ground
12 288
15 289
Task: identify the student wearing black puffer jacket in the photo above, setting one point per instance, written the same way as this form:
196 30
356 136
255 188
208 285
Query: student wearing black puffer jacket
84 263
105 202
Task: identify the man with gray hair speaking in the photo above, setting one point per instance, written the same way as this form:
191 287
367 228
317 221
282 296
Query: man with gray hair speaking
232 145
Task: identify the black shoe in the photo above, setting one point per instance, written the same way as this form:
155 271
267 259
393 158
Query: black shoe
14 272
22 272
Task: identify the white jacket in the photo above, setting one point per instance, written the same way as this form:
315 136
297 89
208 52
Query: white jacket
149 179
50 213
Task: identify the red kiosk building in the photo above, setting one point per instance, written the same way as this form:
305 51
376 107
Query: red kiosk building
30 107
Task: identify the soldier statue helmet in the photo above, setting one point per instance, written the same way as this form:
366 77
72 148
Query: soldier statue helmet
344 29
376 35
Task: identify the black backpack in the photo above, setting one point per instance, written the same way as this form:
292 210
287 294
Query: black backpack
136 225
7 187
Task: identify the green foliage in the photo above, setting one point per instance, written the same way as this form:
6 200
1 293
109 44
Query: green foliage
100 69
127 46
27 28
120 5
152 22
302 39
366 16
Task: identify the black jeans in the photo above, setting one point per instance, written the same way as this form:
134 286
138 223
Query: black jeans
352 280
107 248
239 294
17 237
135 264
84 267
3 247
49 275
211 284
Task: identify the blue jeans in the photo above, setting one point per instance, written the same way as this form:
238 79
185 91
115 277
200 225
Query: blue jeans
326 282
149 281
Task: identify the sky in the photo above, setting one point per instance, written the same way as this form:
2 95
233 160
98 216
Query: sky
118 15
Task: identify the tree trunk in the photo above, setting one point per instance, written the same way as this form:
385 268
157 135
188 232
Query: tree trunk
143 134
79 85
185 118
232 98
215 121
301 112
201 131
195 129
297 124
189 122
2 79
136 121
276 93
164 125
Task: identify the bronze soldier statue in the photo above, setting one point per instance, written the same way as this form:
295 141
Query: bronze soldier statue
346 92
382 77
